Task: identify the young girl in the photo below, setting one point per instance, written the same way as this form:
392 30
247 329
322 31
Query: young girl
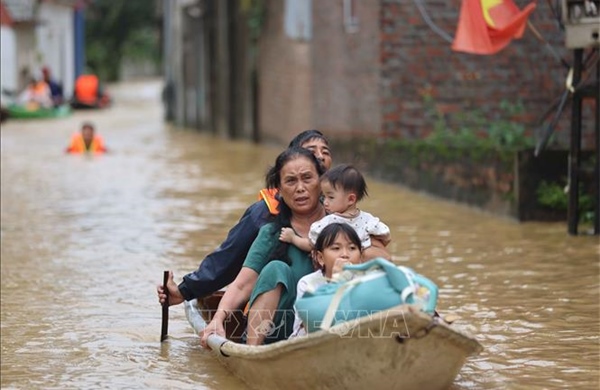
338 244
343 187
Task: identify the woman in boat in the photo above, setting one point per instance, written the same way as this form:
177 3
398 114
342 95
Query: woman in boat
220 267
272 268
338 244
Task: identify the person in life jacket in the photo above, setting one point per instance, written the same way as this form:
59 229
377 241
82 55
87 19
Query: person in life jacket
36 95
86 141
89 92
220 267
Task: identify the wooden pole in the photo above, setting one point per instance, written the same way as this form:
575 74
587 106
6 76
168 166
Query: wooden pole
165 310
597 168
575 152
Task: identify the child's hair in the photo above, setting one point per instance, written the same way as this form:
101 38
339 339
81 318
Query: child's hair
348 178
328 235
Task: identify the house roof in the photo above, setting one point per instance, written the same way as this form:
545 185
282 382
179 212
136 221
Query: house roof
20 10
25 10
5 18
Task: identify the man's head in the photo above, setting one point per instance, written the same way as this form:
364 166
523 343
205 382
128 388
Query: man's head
46 73
87 131
317 143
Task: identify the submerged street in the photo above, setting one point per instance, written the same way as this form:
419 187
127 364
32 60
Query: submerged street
85 240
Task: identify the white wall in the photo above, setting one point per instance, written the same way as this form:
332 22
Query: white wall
8 59
55 42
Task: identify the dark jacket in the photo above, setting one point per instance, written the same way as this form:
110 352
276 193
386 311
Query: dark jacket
220 268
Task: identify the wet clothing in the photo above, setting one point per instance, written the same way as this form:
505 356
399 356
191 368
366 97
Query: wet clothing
271 273
78 145
220 267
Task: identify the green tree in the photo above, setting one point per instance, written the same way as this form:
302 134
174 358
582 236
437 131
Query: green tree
118 29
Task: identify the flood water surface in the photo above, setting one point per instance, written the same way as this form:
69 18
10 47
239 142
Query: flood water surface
85 241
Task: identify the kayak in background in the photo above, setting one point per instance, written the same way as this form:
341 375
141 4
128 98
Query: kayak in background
15 111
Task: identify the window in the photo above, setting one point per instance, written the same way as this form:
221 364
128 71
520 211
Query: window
350 17
298 19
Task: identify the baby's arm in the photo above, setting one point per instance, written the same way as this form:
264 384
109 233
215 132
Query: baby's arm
289 235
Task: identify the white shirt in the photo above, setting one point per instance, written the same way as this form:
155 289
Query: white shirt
365 225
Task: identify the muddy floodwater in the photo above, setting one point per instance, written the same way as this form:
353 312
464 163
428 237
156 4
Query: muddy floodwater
85 240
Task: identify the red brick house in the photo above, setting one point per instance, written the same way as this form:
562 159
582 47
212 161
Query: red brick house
367 66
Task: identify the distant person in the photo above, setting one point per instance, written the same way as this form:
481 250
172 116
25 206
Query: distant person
56 90
89 92
36 95
86 141
343 187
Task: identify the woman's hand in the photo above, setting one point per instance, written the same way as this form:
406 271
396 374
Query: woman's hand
175 297
377 249
287 235
214 327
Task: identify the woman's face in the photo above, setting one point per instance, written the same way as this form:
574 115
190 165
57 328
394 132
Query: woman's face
299 185
341 251
321 151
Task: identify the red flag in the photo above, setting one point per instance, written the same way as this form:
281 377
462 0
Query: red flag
488 26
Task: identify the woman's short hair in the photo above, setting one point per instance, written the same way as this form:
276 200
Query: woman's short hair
272 179
305 136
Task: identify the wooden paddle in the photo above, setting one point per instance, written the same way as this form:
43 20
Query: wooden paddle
165 309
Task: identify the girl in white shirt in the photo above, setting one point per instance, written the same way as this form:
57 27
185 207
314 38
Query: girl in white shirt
337 244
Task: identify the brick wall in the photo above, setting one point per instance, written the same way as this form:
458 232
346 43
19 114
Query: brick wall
418 62
375 80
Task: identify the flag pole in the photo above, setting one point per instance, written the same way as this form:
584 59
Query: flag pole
547 44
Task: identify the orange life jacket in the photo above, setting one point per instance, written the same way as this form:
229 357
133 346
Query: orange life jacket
86 89
268 195
41 88
78 145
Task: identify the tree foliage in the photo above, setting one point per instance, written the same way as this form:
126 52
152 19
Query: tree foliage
119 29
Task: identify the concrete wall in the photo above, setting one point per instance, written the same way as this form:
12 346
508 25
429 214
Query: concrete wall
56 44
346 67
8 54
284 78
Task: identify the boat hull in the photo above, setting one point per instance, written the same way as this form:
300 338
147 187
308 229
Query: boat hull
21 112
401 348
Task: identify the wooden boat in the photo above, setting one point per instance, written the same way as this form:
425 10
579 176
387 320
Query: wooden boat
22 112
401 348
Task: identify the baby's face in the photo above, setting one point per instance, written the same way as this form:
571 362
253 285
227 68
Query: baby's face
335 200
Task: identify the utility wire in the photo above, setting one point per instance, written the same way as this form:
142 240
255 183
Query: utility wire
444 35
